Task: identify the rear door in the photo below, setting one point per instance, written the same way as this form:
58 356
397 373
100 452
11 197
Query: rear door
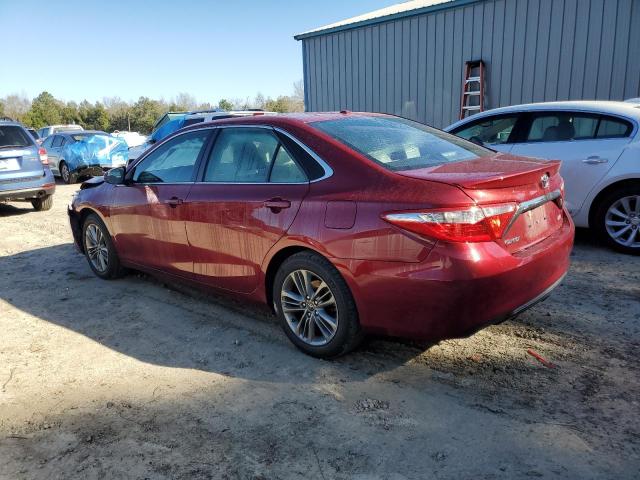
249 194
148 215
53 150
18 154
587 144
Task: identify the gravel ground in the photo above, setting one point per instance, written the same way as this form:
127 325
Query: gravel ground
132 379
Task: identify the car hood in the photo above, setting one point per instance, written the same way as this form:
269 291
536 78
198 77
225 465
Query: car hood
92 182
493 171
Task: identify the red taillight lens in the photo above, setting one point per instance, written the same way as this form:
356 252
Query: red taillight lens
44 158
473 224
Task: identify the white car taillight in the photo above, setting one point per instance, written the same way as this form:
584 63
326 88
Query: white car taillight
44 158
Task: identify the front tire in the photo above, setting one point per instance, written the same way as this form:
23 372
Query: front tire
65 173
43 203
315 306
617 219
99 249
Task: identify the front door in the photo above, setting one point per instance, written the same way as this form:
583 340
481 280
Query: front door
148 217
251 191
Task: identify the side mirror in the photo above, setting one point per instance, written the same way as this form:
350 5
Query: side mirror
115 176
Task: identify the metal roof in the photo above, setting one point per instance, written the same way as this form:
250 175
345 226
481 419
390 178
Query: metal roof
399 10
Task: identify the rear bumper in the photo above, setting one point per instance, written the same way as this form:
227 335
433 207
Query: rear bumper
459 289
29 189
96 170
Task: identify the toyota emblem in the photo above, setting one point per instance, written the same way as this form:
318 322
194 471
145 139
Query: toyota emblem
544 181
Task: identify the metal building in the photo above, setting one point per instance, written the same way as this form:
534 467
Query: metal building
409 59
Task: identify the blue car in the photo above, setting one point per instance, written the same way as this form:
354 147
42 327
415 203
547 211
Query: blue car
76 155
24 171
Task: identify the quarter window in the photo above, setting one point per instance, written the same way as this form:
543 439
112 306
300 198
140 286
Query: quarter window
492 131
613 128
173 161
285 169
57 141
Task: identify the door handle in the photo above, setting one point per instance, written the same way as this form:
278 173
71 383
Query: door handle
277 204
594 160
174 202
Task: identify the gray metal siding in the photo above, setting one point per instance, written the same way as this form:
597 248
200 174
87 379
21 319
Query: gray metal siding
534 51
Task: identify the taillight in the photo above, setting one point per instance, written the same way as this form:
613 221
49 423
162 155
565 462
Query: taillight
472 224
44 158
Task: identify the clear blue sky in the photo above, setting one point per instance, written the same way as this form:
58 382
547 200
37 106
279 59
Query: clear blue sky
78 49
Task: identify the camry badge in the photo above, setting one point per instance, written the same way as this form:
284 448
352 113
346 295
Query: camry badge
544 181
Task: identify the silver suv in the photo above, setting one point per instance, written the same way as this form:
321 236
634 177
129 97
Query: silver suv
24 168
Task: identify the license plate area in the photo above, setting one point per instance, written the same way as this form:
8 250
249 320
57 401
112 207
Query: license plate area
9 165
533 226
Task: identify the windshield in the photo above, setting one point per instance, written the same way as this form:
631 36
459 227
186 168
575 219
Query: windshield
400 144
14 136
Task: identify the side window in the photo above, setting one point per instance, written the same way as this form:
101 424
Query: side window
493 130
174 161
562 126
613 128
242 155
47 142
192 121
57 141
285 169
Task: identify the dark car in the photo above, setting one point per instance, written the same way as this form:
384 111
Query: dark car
24 169
343 223
79 154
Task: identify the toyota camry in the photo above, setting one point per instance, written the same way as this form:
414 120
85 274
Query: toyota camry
345 224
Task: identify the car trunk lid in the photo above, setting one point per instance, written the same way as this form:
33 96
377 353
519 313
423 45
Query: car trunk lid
533 186
19 162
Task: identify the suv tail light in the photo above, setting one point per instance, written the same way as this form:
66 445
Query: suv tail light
44 158
472 224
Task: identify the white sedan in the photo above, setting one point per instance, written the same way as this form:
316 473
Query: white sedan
599 145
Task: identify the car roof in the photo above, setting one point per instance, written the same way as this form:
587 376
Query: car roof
286 119
625 109
81 132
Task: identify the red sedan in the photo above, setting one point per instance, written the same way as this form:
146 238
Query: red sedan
345 223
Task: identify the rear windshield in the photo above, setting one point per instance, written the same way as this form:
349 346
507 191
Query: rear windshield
14 136
400 144
68 128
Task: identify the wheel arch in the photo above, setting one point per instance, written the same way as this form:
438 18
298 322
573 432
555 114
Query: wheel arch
595 204
274 263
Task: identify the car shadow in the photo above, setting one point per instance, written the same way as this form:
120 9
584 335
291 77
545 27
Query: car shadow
7 210
173 325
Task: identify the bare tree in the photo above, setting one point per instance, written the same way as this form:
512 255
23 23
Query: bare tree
16 106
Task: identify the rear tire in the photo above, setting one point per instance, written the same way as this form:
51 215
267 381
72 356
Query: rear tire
324 322
43 203
617 219
99 249
65 173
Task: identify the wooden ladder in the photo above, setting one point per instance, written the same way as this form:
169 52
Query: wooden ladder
472 89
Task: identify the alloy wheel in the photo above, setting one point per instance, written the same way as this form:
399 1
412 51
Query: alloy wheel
622 221
97 250
309 307
64 171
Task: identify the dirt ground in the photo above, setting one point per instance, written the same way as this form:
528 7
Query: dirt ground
131 379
